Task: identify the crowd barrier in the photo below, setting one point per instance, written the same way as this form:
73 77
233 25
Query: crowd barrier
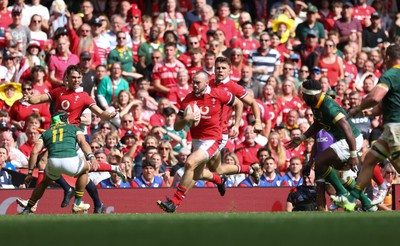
136 200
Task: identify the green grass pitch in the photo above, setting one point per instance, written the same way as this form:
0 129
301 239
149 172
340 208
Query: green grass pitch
222 229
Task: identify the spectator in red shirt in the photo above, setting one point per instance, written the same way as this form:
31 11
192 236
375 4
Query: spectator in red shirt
247 151
33 135
247 42
201 27
226 24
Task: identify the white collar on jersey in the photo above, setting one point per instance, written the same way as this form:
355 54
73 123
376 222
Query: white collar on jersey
226 80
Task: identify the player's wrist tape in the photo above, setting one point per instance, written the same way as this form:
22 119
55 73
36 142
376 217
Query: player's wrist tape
353 154
90 155
30 170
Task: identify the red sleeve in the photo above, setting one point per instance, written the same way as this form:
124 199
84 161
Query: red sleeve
54 93
193 30
224 96
74 40
89 101
51 63
45 112
13 111
242 185
238 90
172 96
156 74
133 184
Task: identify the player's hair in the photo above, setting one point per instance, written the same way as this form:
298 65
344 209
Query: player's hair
223 59
71 69
295 158
202 73
393 51
210 53
311 84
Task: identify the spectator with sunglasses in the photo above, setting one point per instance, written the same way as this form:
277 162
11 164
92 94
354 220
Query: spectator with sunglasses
21 109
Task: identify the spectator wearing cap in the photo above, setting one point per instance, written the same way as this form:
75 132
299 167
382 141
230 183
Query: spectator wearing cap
374 36
349 28
102 43
311 24
24 10
88 74
310 50
200 28
133 145
57 11
36 30
9 93
82 40
363 12
20 33
316 73
147 179
31 59
60 61
134 17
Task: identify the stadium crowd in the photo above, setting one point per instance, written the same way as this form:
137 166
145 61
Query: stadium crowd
138 58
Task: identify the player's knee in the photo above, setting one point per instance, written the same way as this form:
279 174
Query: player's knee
189 165
380 152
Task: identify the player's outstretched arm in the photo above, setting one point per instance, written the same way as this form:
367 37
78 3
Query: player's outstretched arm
80 138
104 115
238 106
33 160
37 99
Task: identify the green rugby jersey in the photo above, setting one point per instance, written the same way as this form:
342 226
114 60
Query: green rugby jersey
391 102
327 113
60 140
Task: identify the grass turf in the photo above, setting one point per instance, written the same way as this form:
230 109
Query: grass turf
301 228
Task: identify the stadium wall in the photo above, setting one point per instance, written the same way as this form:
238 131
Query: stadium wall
144 200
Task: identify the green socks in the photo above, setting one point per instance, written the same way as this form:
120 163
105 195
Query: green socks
329 175
78 197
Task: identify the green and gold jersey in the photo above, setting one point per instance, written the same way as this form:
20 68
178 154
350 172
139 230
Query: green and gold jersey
60 140
390 80
327 113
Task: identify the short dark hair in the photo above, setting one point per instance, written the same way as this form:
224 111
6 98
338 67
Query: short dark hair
223 59
263 149
170 44
393 51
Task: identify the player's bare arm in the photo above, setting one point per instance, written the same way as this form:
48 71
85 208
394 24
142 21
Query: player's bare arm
37 99
80 138
296 141
32 161
238 106
104 115
373 98
248 99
